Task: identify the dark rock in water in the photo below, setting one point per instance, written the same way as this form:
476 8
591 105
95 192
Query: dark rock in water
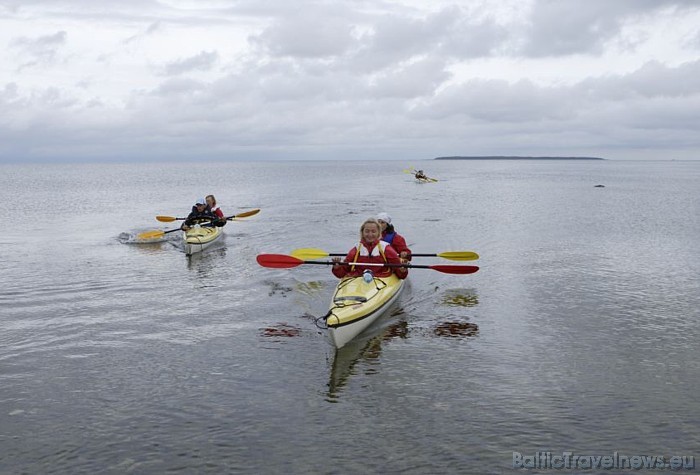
599 186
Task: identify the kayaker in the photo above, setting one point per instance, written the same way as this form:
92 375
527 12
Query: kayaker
370 249
390 236
211 203
200 213
420 175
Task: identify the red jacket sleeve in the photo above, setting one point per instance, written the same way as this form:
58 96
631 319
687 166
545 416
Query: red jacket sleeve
399 244
342 271
392 257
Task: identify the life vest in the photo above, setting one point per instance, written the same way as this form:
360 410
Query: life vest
377 250
217 212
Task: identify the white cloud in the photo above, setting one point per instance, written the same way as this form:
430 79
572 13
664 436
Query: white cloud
306 35
585 26
413 80
38 51
202 61
316 79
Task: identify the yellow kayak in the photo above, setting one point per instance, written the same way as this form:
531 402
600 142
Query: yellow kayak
356 304
198 238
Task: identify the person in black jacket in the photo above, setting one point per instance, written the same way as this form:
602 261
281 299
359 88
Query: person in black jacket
201 213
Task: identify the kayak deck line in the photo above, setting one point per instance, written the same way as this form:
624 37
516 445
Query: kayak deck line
343 302
352 300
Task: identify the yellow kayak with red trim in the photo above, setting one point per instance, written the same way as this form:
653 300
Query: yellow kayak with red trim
357 303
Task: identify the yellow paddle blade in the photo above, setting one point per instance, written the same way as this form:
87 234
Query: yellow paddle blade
166 219
411 171
151 235
308 253
245 214
459 255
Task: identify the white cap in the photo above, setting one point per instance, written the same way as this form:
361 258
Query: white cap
200 201
384 217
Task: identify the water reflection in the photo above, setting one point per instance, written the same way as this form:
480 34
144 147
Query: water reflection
456 329
310 288
203 263
279 331
368 351
277 288
460 298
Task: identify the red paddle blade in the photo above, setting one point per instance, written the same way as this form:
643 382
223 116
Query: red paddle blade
278 261
448 269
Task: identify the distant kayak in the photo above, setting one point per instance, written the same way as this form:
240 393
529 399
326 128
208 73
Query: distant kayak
420 176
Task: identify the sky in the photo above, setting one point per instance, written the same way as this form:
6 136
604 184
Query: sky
147 80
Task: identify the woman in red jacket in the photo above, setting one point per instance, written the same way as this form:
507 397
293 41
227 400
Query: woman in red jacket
216 211
371 249
213 206
390 236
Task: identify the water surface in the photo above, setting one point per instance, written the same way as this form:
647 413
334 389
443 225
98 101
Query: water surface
579 333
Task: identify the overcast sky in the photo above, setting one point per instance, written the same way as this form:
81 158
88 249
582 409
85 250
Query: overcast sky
413 79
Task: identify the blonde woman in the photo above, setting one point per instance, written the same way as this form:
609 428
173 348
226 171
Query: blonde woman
370 249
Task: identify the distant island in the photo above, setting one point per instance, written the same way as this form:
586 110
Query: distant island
515 157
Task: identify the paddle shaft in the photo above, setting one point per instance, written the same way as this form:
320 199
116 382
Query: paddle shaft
312 253
203 217
336 254
245 214
282 261
361 264
448 269
158 234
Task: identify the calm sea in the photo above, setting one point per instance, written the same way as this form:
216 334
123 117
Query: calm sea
579 334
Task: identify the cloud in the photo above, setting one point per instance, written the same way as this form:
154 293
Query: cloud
693 42
40 50
203 61
652 80
359 79
497 101
306 34
413 80
151 29
559 28
488 115
178 87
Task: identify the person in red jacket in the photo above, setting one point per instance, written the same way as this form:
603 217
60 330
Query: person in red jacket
211 202
371 249
390 236
216 211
